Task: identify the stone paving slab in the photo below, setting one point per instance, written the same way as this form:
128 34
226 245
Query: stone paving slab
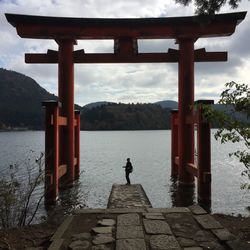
169 210
223 234
197 210
129 232
208 222
131 244
156 227
130 224
128 220
164 242
154 216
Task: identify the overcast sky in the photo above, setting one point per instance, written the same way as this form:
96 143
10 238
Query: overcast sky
124 82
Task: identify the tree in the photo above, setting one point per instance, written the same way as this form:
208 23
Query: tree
19 199
209 6
232 129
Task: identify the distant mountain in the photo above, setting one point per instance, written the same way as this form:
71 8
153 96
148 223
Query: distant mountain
20 101
168 104
96 104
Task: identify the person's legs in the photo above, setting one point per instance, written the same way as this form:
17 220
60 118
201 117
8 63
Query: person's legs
127 178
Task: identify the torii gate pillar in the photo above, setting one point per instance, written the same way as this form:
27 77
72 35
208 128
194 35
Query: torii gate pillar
185 107
66 97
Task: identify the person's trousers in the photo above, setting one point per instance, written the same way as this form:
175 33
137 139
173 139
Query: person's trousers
127 177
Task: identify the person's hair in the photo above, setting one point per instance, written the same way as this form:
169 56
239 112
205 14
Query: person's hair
128 159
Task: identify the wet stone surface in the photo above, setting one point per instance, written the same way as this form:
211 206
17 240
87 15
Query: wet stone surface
129 232
161 242
131 244
128 220
156 227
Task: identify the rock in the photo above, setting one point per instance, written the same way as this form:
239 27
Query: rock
106 222
79 245
102 230
81 236
162 242
156 227
102 239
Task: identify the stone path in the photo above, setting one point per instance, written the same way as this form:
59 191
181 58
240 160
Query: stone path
130 223
128 196
144 229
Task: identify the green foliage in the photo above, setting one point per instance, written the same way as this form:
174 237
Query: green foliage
232 129
17 197
125 117
209 6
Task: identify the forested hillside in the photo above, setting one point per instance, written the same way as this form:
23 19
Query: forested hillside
20 101
125 117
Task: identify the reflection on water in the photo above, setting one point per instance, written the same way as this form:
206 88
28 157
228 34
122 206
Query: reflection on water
181 196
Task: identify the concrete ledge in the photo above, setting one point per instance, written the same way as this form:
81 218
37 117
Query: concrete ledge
61 229
57 244
169 210
90 211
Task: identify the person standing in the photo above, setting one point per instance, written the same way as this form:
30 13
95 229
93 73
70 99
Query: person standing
128 170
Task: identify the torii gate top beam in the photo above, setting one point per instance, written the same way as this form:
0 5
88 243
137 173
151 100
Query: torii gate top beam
43 27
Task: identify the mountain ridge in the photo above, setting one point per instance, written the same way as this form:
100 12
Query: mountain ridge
21 98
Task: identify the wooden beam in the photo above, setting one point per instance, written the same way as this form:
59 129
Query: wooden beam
171 56
43 27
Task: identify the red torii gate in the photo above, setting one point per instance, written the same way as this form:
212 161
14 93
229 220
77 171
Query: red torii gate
63 158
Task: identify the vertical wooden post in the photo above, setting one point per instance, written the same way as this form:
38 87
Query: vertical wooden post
185 104
77 144
204 155
66 97
174 141
51 151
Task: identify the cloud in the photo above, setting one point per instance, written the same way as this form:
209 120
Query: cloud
123 82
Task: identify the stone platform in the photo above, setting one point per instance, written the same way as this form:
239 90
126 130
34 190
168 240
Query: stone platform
128 196
134 225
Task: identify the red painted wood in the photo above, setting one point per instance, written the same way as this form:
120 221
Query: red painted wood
66 96
77 145
82 57
185 104
204 159
51 151
174 142
56 153
143 28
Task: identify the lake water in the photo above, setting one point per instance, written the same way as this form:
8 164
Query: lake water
103 153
